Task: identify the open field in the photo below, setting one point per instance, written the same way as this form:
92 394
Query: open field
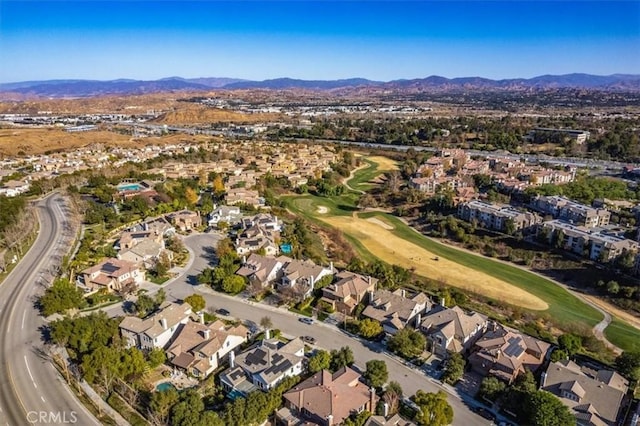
39 141
197 114
614 310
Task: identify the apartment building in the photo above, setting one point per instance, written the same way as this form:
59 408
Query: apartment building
496 216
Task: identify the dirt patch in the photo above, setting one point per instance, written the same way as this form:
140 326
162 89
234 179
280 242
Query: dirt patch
380 223
382 243
384 163
614 310
322 210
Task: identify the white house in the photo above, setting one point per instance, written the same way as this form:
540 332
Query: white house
157 330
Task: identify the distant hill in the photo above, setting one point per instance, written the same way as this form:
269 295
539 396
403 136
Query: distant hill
290 83
87 88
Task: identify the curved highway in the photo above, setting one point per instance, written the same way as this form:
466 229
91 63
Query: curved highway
31 389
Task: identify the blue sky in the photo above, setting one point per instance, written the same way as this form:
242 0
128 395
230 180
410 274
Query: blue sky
258 40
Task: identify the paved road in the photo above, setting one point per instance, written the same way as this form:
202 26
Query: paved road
327 336
31 390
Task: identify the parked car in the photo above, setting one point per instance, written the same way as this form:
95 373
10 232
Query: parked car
309 339
484 413
223 311
306 320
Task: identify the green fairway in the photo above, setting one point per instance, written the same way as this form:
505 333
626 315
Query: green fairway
361 178
564 308
623 335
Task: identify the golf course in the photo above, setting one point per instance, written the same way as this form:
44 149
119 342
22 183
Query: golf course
385 237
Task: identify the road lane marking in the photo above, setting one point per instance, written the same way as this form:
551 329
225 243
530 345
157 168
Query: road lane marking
23 315
29 371
42 398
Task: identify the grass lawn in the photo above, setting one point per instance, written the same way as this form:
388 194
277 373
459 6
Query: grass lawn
623 335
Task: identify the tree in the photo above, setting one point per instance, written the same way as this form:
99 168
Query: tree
321 360
366 201
392 396
491 388
233 284
571 343
376 373
218 186
161 403
369 328
196 302
162 265
628 364
191 196
101 366
613 287
434 409
544 409
145 305
342 357
61 296
454 368
558 355
266 323
156 357
407 342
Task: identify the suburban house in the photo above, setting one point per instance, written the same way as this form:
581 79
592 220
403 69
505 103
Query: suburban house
596 397
129 239
326 399
265 221
185 220
113 275
198 349
350 289
263 366
505 353
262 270
301 276
14 188
394 311
229 214
244 196
394 420
255 238
158 329
452 329
146 253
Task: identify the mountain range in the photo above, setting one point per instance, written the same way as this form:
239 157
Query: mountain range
89 88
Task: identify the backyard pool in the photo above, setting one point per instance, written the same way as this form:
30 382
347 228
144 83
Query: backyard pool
129 187
164 386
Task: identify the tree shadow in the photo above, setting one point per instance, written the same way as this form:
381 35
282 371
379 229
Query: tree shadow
209 253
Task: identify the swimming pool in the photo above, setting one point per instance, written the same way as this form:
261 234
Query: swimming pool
164 386
130 187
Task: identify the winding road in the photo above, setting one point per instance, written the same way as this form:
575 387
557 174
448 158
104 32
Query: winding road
31 389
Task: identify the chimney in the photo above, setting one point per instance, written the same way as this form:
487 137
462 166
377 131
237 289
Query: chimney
163 321
331 267
372 399
418 318
145 226
244 259
201 316
330 420
207 334
369 280
232 359
266 334
442 303
403 293
385 408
